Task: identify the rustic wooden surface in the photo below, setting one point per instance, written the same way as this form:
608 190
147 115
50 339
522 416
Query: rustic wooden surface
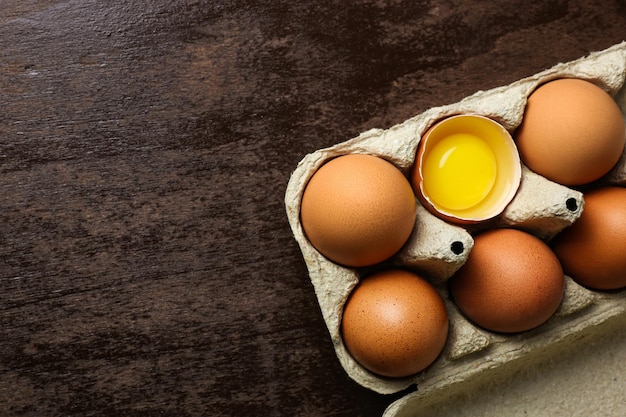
146 263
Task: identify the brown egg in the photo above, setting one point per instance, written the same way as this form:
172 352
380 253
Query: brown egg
572 132
593 249
511 282
358 210
394 323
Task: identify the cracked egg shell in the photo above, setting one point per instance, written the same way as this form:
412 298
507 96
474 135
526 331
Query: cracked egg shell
467 169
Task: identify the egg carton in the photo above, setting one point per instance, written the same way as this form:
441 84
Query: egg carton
438 249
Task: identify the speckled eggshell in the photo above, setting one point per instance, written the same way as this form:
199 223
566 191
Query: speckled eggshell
511 282
593 249
395 323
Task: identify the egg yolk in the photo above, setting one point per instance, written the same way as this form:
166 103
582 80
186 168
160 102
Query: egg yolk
459 172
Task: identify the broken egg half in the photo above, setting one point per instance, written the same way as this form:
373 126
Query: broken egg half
467 169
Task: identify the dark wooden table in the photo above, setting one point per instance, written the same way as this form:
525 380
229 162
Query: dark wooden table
146 263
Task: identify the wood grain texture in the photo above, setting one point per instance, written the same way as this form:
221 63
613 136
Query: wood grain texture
146 263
